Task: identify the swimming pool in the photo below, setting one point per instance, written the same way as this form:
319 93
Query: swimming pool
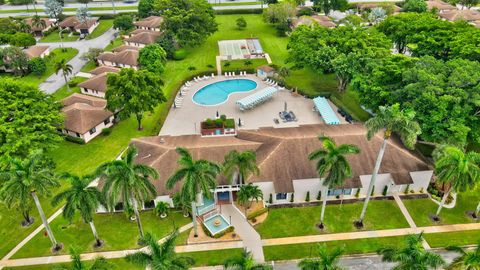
217 93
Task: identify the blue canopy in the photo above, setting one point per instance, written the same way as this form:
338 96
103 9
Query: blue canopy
323 107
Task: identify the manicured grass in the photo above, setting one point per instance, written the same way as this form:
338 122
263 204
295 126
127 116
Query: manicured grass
88 66
114 43
240 65
213 257
116 230
461 238
421 209
118 264
102 27
237 4
55 37
358 246
286 222
63 92
55 56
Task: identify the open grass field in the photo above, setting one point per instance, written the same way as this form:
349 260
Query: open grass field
422 208
116 230
358 246
118 264
55 56
55 37
242 65
286 222
64 92
462 238
102 27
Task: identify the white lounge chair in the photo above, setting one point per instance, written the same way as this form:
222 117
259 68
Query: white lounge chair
226 74
205 77
213 75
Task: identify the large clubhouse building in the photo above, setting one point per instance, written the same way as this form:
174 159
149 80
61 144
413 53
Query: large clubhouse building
282 157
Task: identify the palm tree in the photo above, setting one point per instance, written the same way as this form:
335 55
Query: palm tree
199 176
99 263
458 169
237 166
32 176
66 69
244 262
161 256
391 119
327 260
412 256
37 21
332 166
468 260
16 197
247 193
128 182
83 198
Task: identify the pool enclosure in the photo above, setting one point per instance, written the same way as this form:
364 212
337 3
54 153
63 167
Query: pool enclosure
326 111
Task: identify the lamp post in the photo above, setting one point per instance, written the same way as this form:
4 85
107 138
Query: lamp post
61 39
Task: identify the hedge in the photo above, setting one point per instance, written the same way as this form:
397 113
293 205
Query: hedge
257 213
74 139
239 11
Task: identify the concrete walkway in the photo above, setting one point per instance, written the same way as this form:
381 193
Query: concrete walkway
369 234
251 238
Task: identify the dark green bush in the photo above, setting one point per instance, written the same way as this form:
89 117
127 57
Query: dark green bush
106 131
307 199
292 198
319 196
74 139
180 54
270 199
257 213
239 11
385 189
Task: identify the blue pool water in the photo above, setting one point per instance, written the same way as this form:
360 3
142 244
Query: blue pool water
212 227
217 93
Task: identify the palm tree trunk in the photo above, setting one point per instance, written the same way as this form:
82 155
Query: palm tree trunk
374 177
26 217
199 198
478 210
95 234
194 219
45 221
66 82
324 205
35 7
137 216
442 203
139 120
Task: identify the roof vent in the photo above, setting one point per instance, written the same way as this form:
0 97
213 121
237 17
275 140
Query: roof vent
147 156
162 140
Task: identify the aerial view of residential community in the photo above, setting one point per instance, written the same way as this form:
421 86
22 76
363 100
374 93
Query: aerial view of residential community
240 134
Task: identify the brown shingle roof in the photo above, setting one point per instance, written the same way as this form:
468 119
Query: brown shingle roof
144 38
139 31
48 23
35 51
375 5
125 47
457 15
309 20
126 57
97 82
150 22
440 5
266 68
282 153
83 112
73 21
103 69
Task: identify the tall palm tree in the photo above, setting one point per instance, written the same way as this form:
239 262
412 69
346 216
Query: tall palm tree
17 197
37 21
198 176
468 260
332 166
244 262
238 165
128 182
458 169
161 256
247 193
326 260
412 256
99 263
32 176
82 198
66 69
391 120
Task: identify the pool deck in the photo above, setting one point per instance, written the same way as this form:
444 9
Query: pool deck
186 120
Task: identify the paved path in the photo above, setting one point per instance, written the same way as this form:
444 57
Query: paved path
56 81
251 238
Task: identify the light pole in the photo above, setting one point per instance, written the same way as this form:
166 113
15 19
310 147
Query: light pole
61 39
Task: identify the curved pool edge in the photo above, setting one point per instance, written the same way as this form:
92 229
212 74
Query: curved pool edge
228 96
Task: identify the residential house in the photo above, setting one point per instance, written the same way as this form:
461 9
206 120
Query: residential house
285 169
96 85
103 69
322 20
142 39
37 51
152 23
125 47
85 116
38 30
468 15
440 6
124 59
370 6
75 25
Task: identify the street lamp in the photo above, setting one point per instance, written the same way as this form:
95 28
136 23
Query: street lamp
61 38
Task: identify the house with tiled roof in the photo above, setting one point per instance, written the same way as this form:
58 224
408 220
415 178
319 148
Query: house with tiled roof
124 59
96 85
37 51
75 25
440 6
322 20
142 39
38 29
468 15
85 116
152 23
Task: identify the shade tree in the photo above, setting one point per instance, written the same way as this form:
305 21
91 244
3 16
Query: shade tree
37 66
53 8
152 58
238 166
414 6
123 22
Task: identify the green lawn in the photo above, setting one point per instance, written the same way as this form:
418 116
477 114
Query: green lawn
55 37
55 56
114 43
119 264
237 3
88 66
240 65
63 92
358 246
421 209
461 238
102 27
115 229
286 222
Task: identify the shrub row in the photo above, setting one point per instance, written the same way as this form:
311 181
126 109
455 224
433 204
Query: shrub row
74 139
257 213
238 11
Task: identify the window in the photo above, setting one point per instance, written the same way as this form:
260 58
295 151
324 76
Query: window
93 130
337 192
119 206
149 205
281 196
106 121
86 90
78 134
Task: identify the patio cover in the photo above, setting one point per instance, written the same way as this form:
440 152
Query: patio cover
326 111
256 98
